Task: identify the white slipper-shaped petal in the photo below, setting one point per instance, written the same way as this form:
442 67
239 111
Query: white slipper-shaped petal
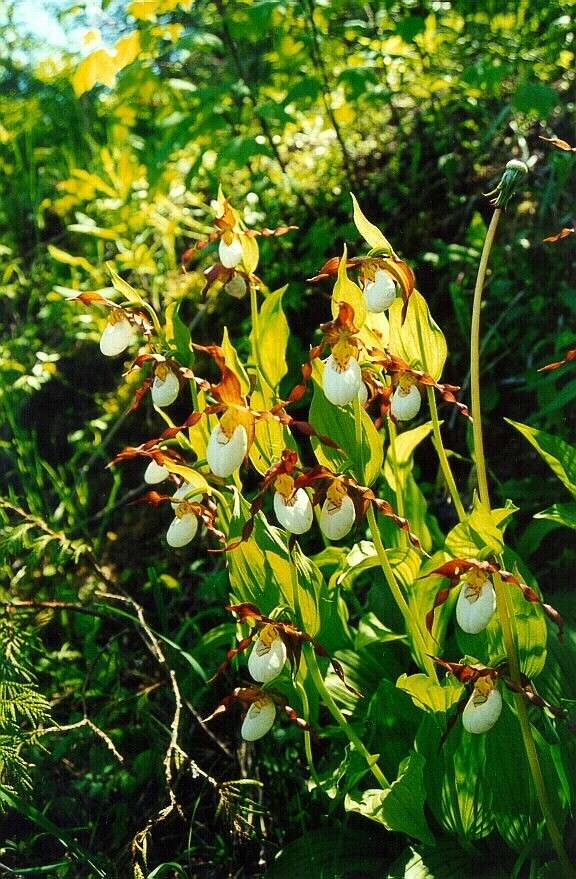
117 336
336 522
475 609
155 473
405 405
480 716
224 455
182 530
165 390
230 254
266 661
296 514
380 293
341 385
259 719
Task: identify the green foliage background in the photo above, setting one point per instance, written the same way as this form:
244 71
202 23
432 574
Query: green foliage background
416 107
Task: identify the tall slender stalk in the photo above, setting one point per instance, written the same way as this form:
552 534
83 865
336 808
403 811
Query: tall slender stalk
340 719
412 624
393 434
502 604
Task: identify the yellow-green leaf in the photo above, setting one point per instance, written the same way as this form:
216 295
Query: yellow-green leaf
369 232
250 253
419 341
234 363
70 260
272 341
346 290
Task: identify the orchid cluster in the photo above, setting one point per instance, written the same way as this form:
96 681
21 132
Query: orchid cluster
377 358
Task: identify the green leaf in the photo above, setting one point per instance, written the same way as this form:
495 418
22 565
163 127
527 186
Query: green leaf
535 97
234 363
399 807
178 335
480 532
404 448
559 455
330 851
456 778
419 340
563 514
273 335
428 694
338 422
369 232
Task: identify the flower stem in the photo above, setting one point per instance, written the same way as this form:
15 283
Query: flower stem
394 460
475 361
443 457
438 444
409 619
358 435
502 605
340 719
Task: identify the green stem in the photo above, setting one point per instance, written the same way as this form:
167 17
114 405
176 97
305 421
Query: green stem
307 737
443 457
410 621
504 614
475 361
502 604
438 444
340 719
358 436
400 509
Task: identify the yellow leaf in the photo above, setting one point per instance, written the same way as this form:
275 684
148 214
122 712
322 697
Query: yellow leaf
127 50
97 67
419 340
192 477
250 253
369 232
346 290
70 260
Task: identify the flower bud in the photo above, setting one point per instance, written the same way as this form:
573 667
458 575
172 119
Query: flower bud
182 530
380 293
117 335
155 473
236 287
224 454
230 254
405 403
295 513
259 719
267 657
483 707
476 604
336 521
341 384
165 388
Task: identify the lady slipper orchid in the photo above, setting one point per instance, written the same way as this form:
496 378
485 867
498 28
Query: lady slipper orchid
292 507
155 473
230 251
268 655
259 719
483 707
342 377
476 603
118 334
406 400
183 527
186 491
165 387
227 447
338 512
380 293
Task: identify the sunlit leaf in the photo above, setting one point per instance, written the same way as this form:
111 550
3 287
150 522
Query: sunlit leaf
346 290
369 232
419 341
